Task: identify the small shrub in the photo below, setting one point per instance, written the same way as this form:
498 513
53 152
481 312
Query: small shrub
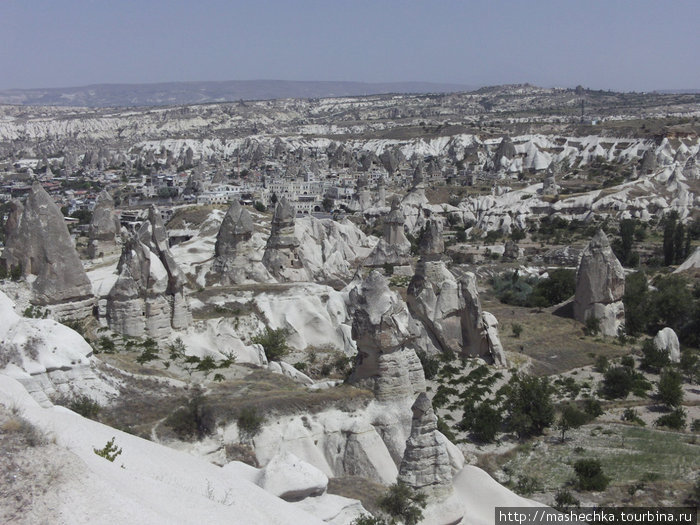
590 476
601 364
670 388
430 364
29 432
106 344
591 326
517 329
206 365
367 519
148 354
85 406
528 485
631 415
110 451
403 503
627 361
653 359
563 498
249 423
675 420
274 343
194 419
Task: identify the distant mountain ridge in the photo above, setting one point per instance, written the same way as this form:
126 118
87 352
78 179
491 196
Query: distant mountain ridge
175 93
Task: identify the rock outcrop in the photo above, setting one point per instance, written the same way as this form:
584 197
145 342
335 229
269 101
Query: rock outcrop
449 308
104 227
426 464
233 248
281 256
393 248
38 242
600 285
380 329
288 477
48 358
148 297
666 340
511 251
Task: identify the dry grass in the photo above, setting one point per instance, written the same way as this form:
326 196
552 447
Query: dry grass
272 394
554 344
366 490
27 469
660 463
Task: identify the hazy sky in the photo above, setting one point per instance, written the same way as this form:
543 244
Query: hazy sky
621 45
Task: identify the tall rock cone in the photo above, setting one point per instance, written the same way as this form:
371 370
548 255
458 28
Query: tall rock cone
281 256
600 286
105 229
38 241
426 465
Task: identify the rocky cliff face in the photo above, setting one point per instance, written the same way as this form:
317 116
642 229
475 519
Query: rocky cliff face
105 229
600 285
281 256
148 298
38 241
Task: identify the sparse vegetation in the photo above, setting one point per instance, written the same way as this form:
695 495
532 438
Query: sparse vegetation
400 502
195 419
274 343
590 476
250 423
110 451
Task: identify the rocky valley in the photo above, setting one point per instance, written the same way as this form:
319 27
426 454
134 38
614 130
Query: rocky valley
305 310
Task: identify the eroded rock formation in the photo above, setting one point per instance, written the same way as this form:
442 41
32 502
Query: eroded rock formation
281 256
426 464
600 285
38 242
666 340
393 248
449 308
148 297
380 329
104 228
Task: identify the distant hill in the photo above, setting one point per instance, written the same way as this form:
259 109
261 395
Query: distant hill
174 93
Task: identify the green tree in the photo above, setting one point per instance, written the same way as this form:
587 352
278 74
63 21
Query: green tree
559 286
590 475
636 301
571 417
403 503
528 405
617 382
670 222
623 246
274 343
675 420
653 359
486 423
670 388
